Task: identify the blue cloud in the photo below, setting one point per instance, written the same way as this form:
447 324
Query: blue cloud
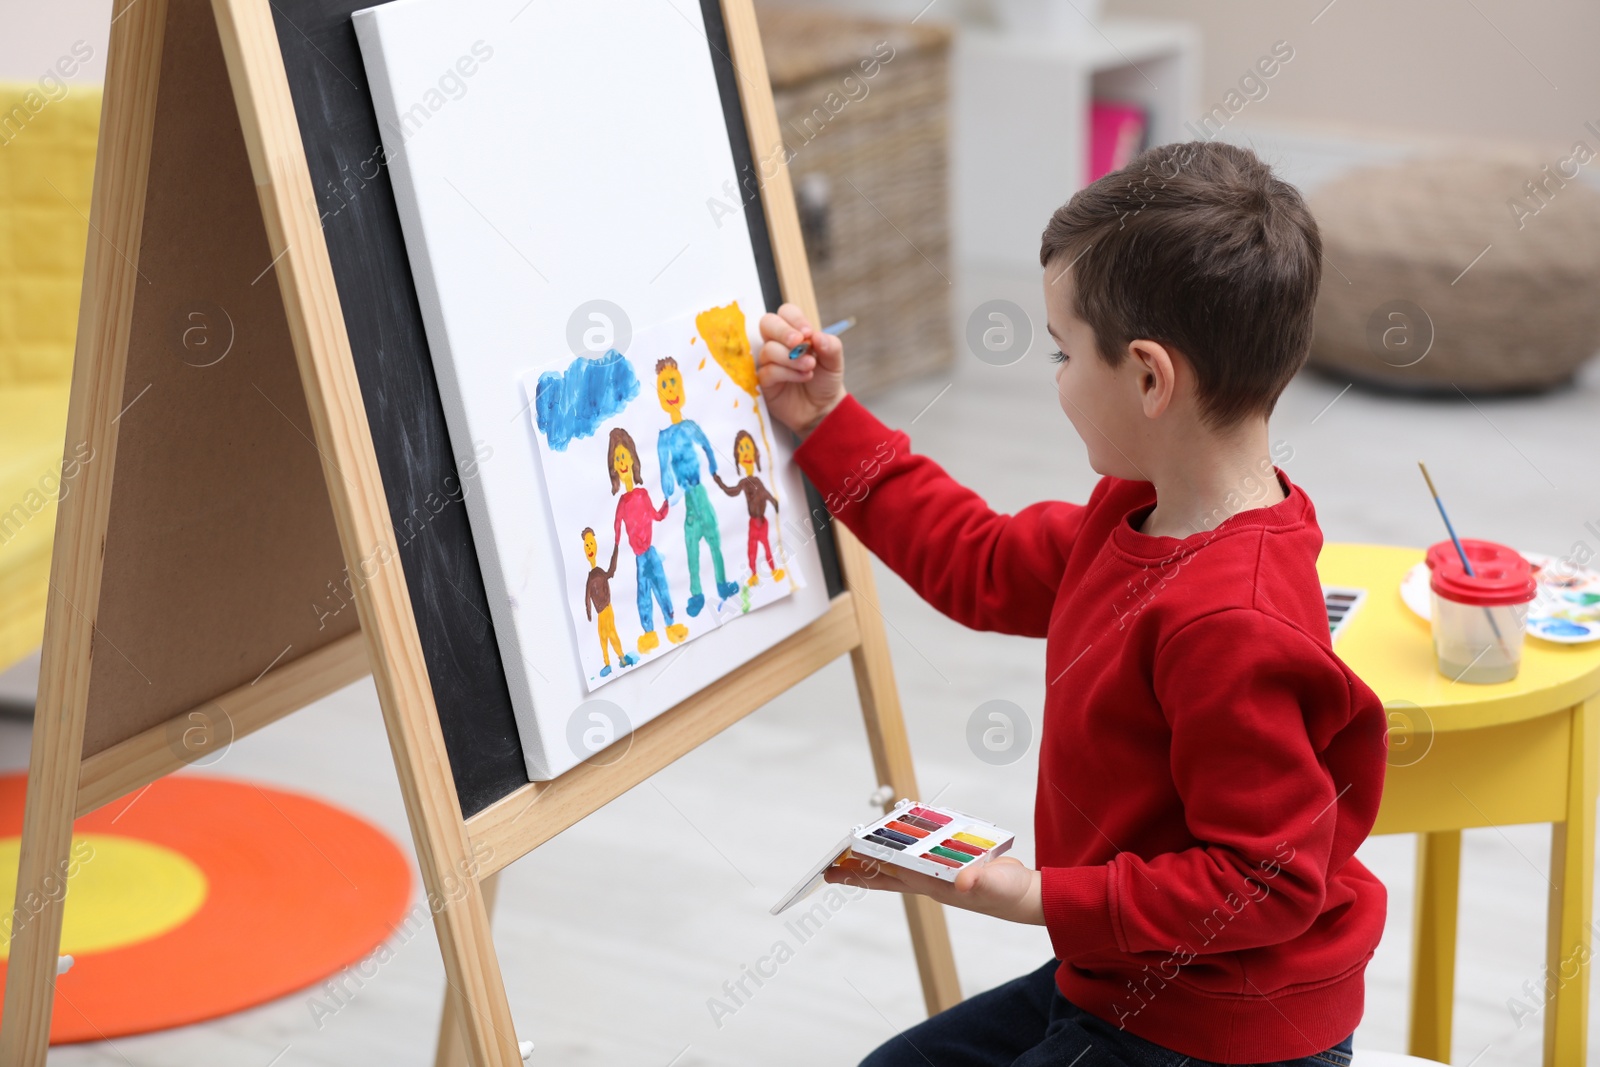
574 402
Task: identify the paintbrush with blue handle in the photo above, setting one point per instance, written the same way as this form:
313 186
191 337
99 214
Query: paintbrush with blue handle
1460 551
837 328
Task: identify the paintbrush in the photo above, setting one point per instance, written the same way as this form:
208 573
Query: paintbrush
837 328
1460 551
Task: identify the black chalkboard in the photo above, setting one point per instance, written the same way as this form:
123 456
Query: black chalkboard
333 105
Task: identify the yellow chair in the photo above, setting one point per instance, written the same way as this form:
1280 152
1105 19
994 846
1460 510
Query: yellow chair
47 149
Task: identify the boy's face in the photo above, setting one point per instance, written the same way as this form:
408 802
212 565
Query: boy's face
590 550
1103 404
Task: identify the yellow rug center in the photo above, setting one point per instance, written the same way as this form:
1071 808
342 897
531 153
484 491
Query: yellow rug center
120 891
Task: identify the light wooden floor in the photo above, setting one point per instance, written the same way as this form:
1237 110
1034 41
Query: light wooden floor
616 936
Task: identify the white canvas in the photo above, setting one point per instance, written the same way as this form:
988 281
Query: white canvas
565 185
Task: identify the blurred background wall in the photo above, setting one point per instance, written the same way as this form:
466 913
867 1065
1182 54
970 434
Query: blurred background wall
1485 68
36 35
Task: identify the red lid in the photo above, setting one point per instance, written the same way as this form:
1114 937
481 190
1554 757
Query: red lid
1485 551
1496 581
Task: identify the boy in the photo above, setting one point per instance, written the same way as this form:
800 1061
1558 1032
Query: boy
1207 765
597 602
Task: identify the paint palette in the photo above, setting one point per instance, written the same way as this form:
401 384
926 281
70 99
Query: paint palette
919 837
1566 608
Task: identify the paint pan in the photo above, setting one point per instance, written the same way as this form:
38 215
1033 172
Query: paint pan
941 842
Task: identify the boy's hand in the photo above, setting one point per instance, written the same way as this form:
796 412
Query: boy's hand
1004 888
799 392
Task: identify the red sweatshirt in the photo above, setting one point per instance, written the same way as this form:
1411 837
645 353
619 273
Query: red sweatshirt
1207 764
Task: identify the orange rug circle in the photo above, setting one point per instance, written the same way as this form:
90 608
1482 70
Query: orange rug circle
289 891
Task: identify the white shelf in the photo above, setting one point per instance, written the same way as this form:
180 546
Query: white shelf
1019 121
1110 43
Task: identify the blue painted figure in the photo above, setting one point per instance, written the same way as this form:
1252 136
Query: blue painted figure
675 449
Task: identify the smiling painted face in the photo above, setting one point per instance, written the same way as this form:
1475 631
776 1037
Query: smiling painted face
591 551
669 390
622 463
745 452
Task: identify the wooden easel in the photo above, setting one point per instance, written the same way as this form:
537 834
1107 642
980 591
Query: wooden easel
183 561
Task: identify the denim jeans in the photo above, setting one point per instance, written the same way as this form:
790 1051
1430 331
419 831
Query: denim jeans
1028 1023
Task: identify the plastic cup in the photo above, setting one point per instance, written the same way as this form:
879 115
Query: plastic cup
1479 620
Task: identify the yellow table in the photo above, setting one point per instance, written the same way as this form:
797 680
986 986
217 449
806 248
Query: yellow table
1464 755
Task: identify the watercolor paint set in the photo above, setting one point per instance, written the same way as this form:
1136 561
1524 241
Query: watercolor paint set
1341 603
920 837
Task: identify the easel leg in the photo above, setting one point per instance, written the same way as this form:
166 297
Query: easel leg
249 38
117 209
891 756
936 962
483 1029
1433 979
1568 952
452 1050
35 923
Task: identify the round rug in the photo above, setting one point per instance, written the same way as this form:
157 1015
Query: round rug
199 896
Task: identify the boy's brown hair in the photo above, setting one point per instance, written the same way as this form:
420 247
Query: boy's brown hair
1197 246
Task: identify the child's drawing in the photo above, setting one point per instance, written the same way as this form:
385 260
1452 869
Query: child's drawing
680 466
756 497
635 511
596 412
725 335
597 595
575 402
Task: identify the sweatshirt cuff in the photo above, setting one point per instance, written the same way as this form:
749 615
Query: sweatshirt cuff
845 452
1077 909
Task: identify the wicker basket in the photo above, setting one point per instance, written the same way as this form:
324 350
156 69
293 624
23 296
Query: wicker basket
1411 300
870 172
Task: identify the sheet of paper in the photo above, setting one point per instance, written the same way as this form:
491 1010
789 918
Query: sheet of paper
658 462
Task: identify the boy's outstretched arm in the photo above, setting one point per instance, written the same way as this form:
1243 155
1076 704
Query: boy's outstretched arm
986 570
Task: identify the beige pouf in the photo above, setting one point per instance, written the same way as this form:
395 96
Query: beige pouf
1411 300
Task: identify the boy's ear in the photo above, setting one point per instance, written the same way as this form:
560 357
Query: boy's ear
1157 378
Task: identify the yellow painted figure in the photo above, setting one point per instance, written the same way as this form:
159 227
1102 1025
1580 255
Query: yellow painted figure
597 596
